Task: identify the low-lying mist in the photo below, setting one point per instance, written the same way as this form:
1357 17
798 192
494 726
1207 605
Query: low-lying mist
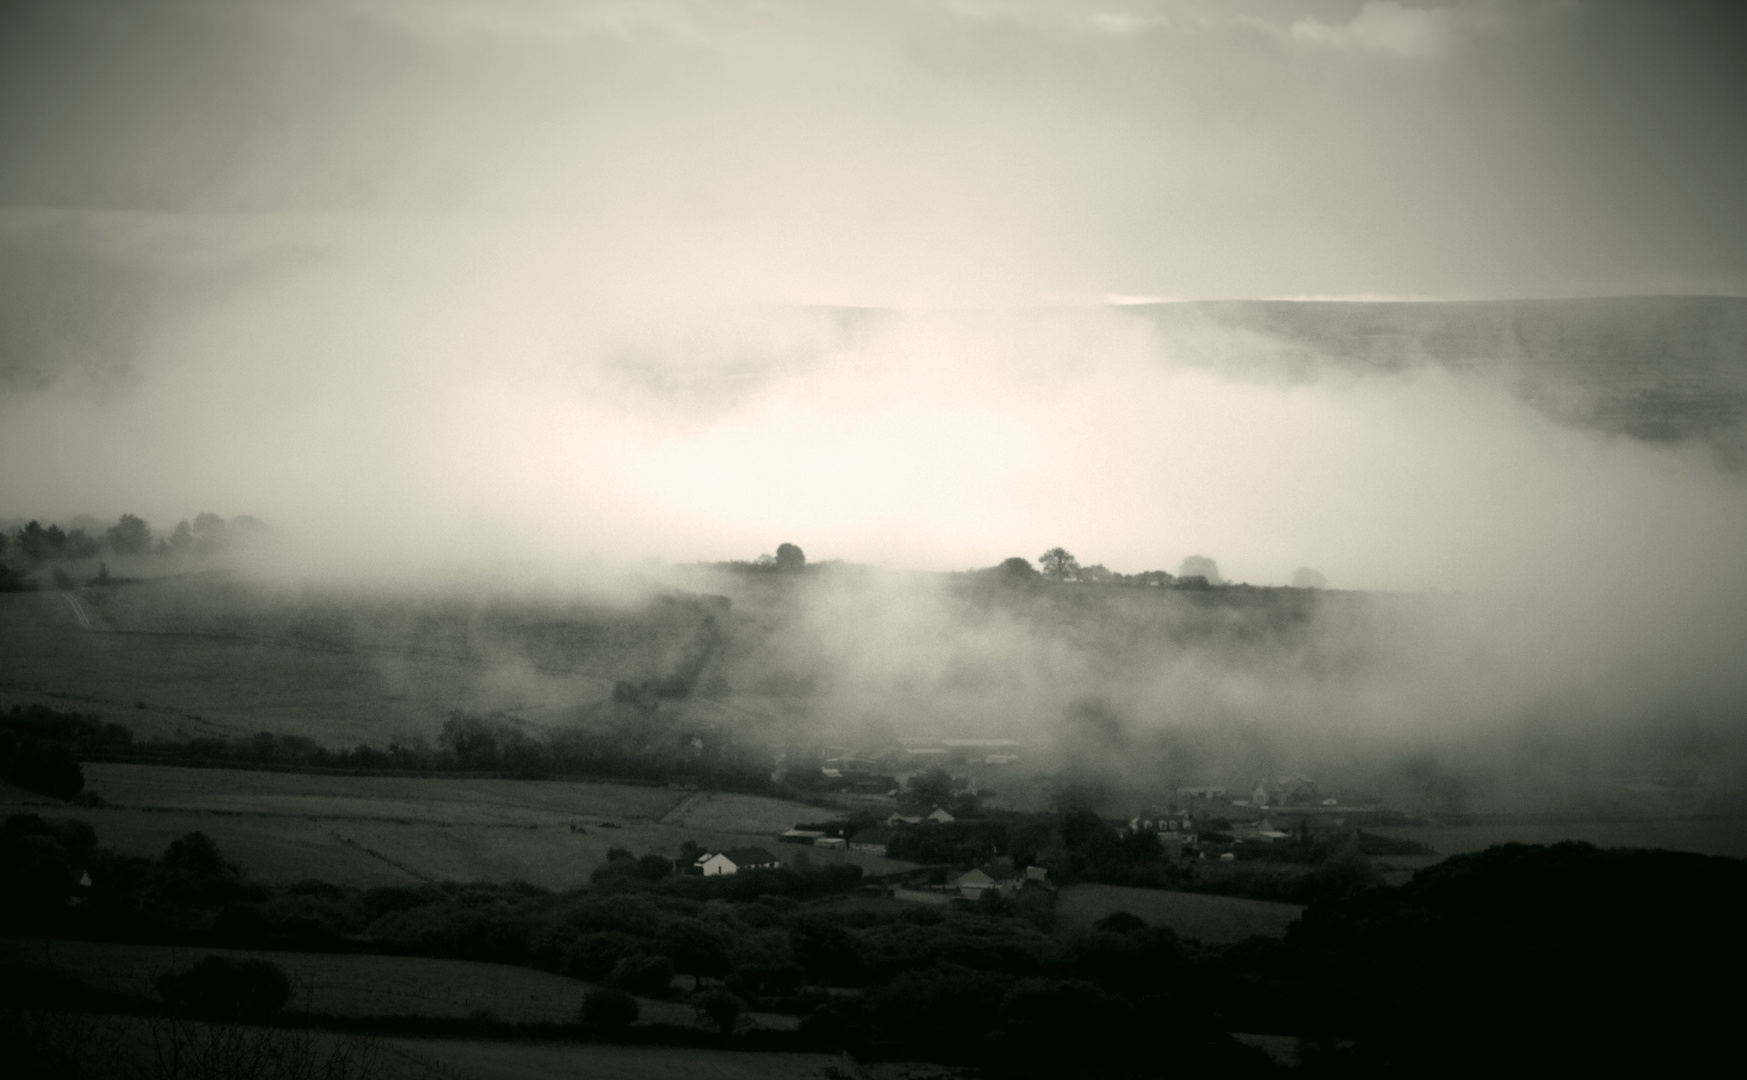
1535 599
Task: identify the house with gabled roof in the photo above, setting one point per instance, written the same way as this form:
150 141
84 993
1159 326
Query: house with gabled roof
712 864
998 874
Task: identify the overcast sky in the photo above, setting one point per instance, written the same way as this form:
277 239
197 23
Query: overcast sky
936 150
505 276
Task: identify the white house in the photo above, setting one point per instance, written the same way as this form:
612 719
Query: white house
712 864
941 815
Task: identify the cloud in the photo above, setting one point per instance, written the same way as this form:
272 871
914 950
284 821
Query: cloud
1127 23
1385 26
1389 28
550 20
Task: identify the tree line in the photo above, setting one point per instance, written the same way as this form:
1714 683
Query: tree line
33 545
48 745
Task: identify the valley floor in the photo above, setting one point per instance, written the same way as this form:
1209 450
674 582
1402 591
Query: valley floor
383 830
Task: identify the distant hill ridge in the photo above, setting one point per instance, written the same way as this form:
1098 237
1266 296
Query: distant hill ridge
1658 368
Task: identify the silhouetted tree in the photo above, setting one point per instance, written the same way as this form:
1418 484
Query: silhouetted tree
931 787
1307 578
790 558
1058 563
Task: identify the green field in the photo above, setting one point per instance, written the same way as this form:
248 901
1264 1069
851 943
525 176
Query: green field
330 984
380 830
471 1059
1216 920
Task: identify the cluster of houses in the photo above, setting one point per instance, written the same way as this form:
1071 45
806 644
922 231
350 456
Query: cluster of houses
872 841
873 771
1279 808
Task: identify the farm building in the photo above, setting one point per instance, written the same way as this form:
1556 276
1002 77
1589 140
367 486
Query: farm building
895 819
942 815
871 841
998 874
1285 791
711 864
801 836
830 842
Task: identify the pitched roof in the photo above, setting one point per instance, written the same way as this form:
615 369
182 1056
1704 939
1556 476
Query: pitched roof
749 856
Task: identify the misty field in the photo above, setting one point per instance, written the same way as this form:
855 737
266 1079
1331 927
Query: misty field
383 830
206 654
1216 920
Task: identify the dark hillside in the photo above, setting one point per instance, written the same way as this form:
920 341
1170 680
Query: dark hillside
1659 368
1567 956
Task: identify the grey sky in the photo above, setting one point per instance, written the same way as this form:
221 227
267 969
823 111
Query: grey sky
946 151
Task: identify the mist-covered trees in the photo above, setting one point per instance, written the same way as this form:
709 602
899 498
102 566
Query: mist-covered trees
38 543
34 545
790 558
130 536
1200 566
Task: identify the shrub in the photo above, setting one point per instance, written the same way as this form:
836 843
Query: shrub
220 989
608 1010
722 1009
46 767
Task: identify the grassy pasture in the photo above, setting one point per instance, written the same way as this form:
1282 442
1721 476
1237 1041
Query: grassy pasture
354 985
473 1059
450 800
367 830
1213 919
